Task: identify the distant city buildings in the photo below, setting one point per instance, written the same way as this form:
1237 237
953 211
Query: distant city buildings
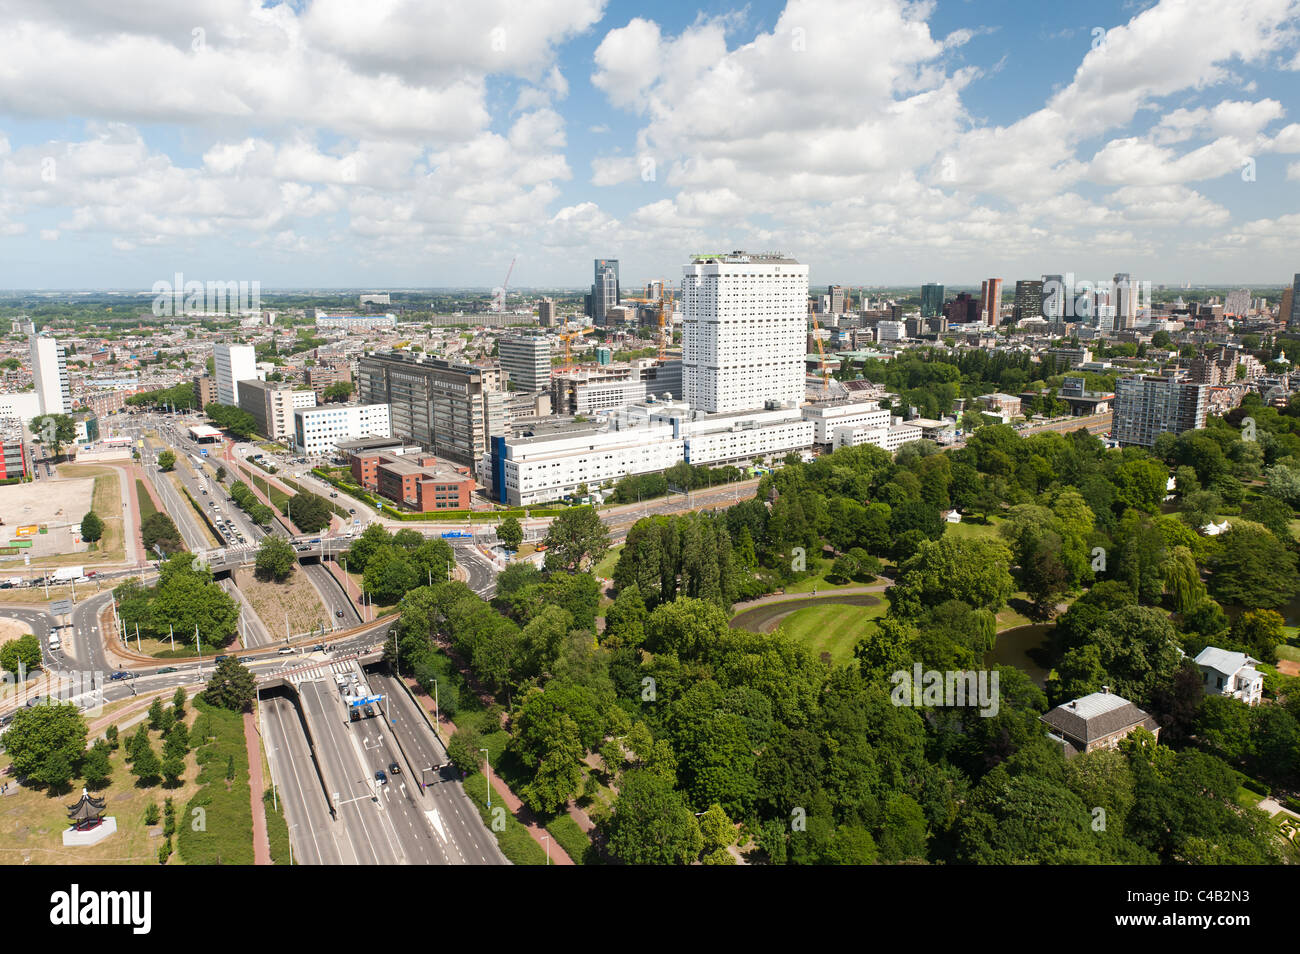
546 312
605 291
931 300
1147 406
354 323
991 302
1029 300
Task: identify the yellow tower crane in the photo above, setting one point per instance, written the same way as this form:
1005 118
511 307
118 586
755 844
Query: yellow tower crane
664 305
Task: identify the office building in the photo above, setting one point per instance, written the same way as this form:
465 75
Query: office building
931 300
322 376
590 391
1029 299
1284 309
991 301
20 406
422 482
526 361
827 418
232 363
605 291
1292 315
448 408
50 375
317 431
962 310
272 405
835 299
1147 406
1054 301
744 321
13 453
1237 303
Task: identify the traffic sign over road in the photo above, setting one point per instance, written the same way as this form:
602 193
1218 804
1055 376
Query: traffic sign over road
61 607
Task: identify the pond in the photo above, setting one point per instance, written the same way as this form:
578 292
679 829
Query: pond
1022 647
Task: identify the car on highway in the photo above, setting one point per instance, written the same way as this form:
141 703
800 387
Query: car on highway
370 711
354 715
338 613
394 768
167 669
120 674
381 778
286 651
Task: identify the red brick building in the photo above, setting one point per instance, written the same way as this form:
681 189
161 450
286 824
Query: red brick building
418 482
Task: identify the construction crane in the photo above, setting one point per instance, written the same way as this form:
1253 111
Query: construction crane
501 301
566 338
664 306
821 357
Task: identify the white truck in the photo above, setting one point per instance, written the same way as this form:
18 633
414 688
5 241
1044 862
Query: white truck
66 574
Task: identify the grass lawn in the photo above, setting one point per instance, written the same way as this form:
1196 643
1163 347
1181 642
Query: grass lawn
106 501
220 809
605 567
566 834
32 822
971 529
1248 799
1288 652
295 596
833 628
147 509
1015 613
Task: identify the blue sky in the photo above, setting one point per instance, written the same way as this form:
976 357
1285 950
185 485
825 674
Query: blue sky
328 144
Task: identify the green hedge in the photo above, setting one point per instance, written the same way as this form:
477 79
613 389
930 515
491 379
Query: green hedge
566 833
277 829
1259 788
515 842
147 509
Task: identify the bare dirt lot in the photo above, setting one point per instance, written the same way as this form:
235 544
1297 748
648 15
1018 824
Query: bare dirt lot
59 503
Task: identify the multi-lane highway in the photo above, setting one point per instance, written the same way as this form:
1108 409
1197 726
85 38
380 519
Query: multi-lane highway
418 815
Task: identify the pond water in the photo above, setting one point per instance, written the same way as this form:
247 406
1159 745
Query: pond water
1021 647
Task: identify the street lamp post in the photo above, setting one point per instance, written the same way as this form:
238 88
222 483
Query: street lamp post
489 777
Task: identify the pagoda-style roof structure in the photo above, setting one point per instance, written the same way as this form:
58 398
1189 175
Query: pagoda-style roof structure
88 812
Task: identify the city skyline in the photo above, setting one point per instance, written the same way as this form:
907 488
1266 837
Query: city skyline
589 128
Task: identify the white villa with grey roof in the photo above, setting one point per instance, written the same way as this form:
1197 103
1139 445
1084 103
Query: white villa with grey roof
1231 674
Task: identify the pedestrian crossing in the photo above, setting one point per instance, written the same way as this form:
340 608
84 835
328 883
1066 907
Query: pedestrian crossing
325 670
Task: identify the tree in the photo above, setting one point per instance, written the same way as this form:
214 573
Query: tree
338 391
575 536
1253 568
56 771
231 687
146 766
463 749
389 574
221 474
21 654
40 731
166 460
975 571
238 422
173 767
510 533
651 824
54 431
178 703
92 528
275 559
308 511
158 530
96 769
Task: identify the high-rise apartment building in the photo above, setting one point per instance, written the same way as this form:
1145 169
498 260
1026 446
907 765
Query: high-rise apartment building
205 390
1292 315
232 363
1054 294
1147 406
50 375
526 360
546 312
605 291
744 322
449 409
931 300
1029 299
991 301
1284 309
